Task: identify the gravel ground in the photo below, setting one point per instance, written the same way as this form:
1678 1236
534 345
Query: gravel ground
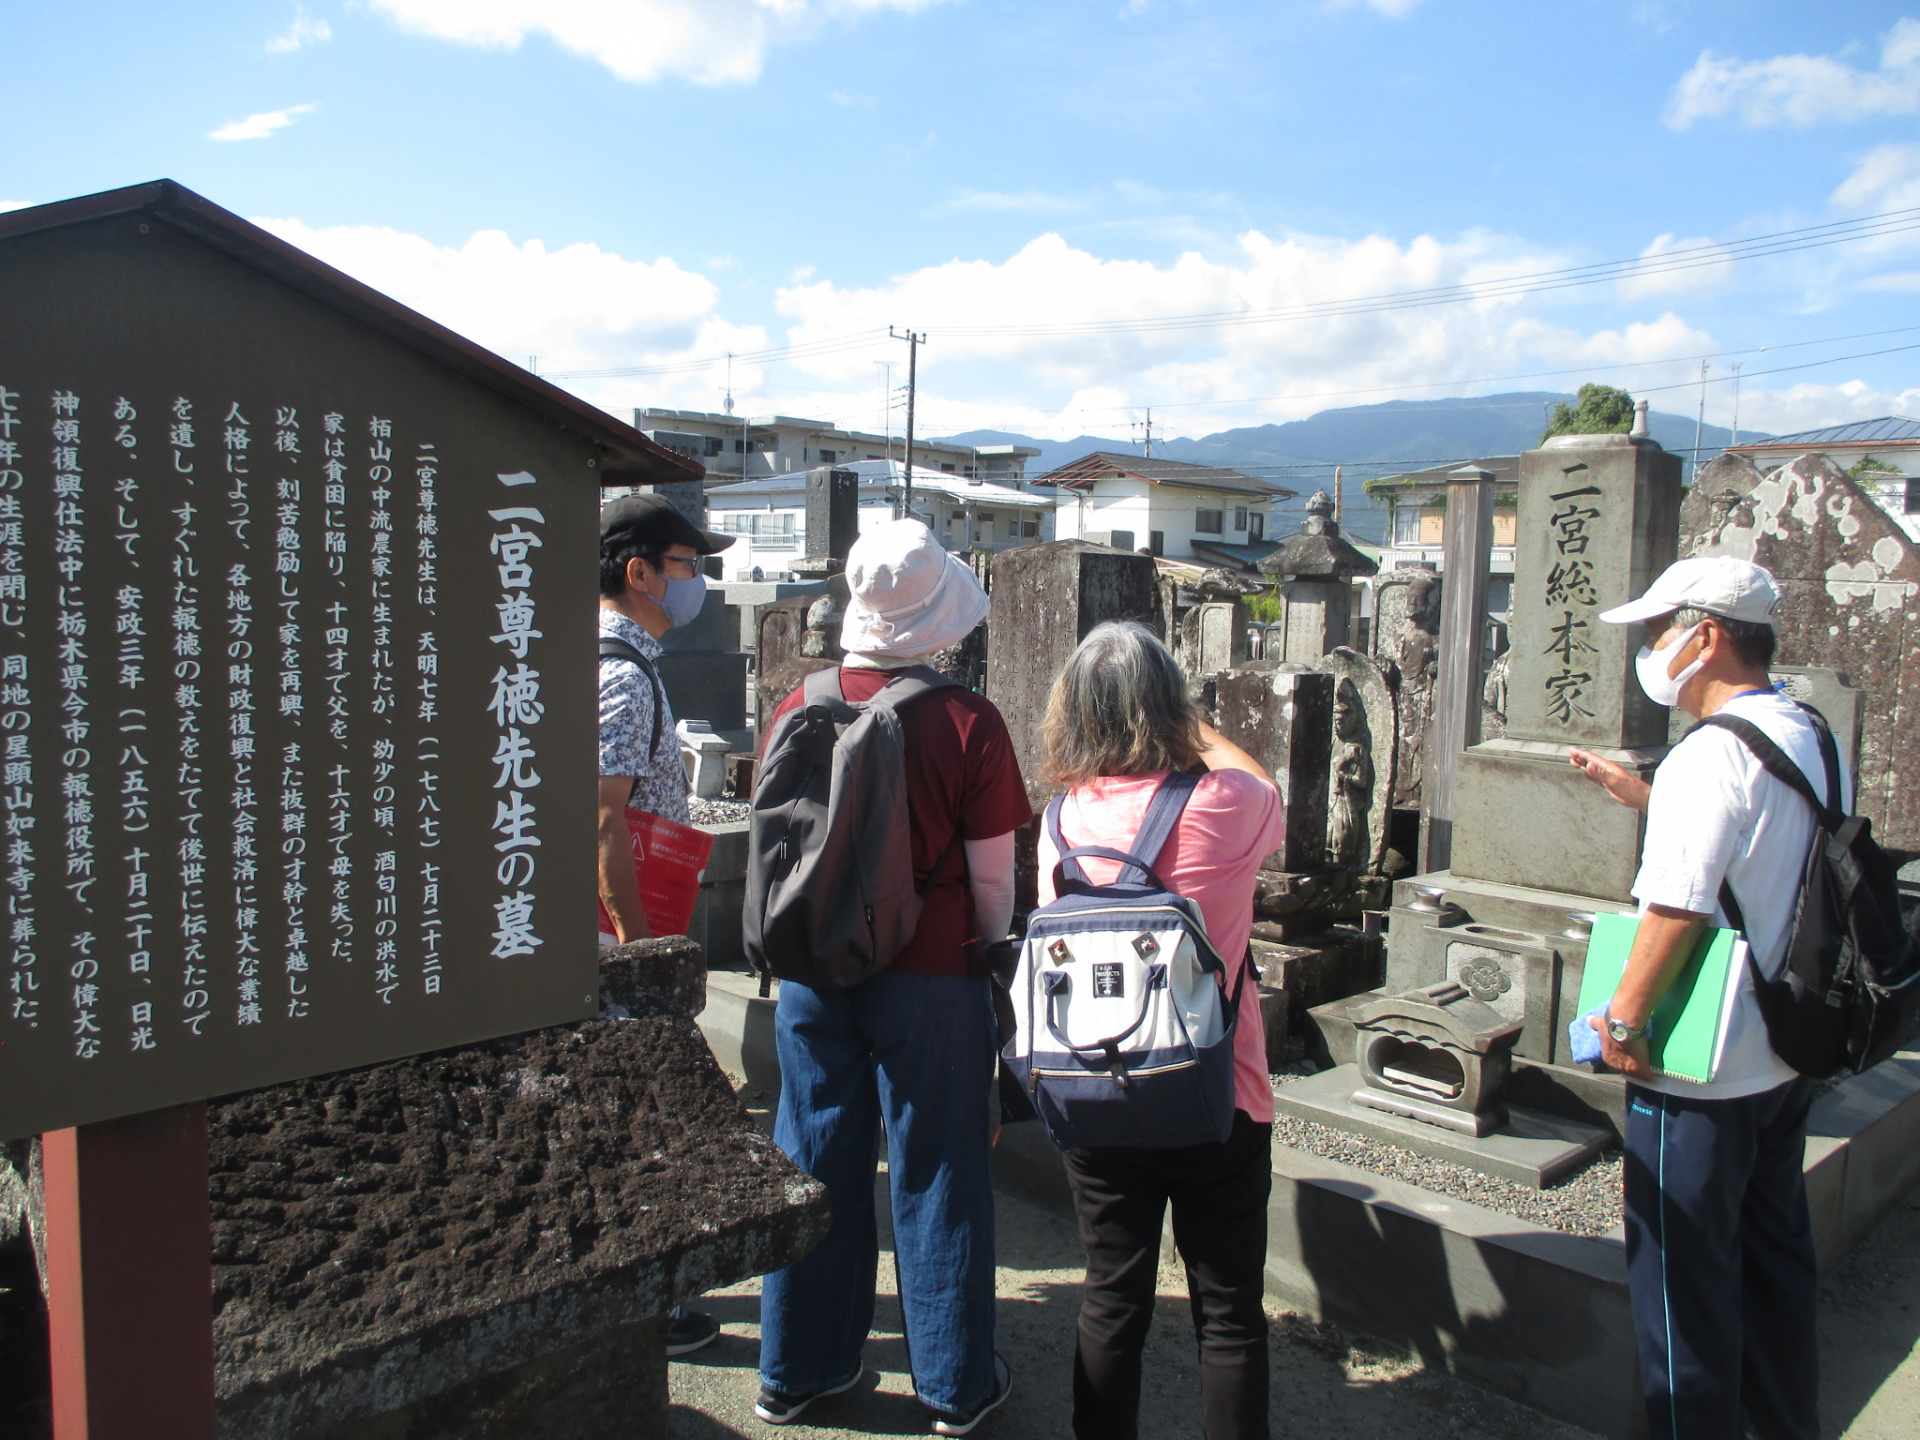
717 812
1587 1202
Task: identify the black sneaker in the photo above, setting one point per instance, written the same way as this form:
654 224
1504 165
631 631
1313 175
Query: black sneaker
689 1330
955 1422
783 1407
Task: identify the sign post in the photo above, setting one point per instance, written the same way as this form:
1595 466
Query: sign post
130 1277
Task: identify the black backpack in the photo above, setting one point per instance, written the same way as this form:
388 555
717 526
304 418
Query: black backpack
830 894
1849 995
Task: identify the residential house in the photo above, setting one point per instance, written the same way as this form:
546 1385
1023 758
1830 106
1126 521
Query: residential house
770 514
1883 456
746 447
1201 513
1417 520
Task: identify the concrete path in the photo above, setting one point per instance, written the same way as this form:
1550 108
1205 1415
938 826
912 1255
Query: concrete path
1325 1386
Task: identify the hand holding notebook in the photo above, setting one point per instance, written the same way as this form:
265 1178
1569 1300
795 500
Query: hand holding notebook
1689 1026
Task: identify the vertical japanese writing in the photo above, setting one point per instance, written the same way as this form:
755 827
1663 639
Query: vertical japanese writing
516 709
426 524
385 792
16 717
246 798
1571 601
76 759
130 670
189 696
291 709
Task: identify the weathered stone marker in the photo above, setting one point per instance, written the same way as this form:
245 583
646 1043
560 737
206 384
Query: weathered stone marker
1463 623
1317 568
1284 719
1045 600
833 522
1598 521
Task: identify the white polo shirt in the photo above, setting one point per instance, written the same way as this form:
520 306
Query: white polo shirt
1715 812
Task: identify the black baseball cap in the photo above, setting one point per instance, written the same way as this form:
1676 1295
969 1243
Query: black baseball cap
653 520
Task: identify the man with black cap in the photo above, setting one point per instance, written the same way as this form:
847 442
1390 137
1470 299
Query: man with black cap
1720 1264
650 581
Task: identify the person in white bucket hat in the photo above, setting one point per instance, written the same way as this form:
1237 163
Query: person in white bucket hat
1720 1264
912 1048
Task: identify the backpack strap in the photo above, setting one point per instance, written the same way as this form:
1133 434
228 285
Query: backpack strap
613 649
1164 810
1775 762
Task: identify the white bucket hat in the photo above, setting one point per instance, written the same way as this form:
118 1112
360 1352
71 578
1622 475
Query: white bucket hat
1719 584
908 596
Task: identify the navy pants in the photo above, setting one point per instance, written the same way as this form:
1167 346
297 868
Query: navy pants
914 1051
1720 1264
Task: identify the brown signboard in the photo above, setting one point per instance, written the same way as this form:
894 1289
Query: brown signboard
297 733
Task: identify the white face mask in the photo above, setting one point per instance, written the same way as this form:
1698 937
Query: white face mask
1651 667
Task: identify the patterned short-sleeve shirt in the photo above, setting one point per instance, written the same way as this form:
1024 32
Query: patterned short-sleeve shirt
626 726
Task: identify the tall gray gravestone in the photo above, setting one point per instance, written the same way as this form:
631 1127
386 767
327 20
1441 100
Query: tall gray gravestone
1536 846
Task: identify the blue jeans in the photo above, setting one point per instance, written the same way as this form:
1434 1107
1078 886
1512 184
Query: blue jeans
917 1052
1720 1266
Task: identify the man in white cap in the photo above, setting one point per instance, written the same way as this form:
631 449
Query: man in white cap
1720 1265
912 1047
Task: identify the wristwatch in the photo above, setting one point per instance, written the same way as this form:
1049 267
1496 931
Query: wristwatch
1622 1033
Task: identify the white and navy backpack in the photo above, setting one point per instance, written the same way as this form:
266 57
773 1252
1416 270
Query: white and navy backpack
1125 1025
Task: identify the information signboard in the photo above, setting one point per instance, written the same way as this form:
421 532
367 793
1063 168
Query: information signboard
297 732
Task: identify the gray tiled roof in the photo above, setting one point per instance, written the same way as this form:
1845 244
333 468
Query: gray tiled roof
1859 432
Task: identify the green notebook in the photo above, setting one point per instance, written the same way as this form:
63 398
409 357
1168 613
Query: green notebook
1690 1024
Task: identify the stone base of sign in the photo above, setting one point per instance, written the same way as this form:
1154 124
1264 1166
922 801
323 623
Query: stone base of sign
1531 1149
459 1243
1524 816
612 1386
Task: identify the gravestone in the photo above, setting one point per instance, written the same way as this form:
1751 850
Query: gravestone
1598 521
1458 679
1317 568
1284 719
298 664
833 522
1045 600
1850 600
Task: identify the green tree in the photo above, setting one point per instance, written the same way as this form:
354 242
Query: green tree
1868 465
1597 410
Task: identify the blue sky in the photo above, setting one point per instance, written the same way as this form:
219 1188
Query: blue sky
647 184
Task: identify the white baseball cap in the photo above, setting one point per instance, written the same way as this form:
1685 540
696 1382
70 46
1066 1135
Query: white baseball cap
1718 584
909 596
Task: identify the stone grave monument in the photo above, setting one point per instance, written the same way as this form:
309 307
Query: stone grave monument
1317 568
1850 599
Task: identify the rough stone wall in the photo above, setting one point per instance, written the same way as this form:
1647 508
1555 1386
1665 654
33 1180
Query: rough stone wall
1850 583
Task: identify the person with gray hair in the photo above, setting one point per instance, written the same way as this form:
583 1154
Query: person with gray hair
1118 720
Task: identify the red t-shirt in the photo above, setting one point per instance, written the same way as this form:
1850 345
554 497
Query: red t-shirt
960 768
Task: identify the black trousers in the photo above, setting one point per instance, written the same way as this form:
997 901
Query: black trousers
1720 1264
1219 1198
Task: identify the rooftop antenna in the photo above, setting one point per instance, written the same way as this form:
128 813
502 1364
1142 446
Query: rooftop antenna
1339 493
1700 420
1736 404
729 382
886 406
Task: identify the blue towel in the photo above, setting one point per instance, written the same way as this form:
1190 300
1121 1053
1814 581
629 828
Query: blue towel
1582 1039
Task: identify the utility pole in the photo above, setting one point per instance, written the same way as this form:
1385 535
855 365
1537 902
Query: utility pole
1146 448
914 343
886 406
1339 493
1736 404
1700 421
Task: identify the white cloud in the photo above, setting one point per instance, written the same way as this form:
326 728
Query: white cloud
1801 89
710 42
259 127
1297 366
305 30
1696 265
1808 407
1887 178
1393 9
578 307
